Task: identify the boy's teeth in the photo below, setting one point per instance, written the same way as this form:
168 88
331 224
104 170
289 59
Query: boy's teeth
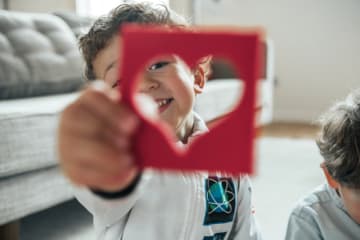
162 102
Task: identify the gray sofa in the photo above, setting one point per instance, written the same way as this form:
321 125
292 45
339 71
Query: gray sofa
40 71
39 59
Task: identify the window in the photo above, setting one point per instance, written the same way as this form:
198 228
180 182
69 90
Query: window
95 8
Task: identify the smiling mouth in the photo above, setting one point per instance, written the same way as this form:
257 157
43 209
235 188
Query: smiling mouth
163 104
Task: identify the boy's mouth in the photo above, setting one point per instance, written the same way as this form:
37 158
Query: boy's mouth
163 103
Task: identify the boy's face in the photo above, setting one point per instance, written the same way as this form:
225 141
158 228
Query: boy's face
351 199
167 80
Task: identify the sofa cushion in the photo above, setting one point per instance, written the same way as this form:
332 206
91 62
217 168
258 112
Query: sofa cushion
78 24
39 56
28 130
31 192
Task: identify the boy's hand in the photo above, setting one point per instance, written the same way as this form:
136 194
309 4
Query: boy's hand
94 140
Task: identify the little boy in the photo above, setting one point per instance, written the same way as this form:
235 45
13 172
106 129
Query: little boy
332 211
95 149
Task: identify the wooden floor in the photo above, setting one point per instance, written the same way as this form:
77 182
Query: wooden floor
292 130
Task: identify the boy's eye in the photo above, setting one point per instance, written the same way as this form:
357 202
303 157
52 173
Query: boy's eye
158 65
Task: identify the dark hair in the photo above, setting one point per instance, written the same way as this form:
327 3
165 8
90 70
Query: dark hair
105 27
339 141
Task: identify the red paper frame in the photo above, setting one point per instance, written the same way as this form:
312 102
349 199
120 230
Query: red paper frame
229 146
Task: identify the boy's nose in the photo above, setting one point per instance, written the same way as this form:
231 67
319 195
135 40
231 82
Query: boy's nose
148 84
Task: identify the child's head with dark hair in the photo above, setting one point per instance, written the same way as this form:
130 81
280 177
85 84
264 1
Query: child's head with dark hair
339 144
106 27
166 79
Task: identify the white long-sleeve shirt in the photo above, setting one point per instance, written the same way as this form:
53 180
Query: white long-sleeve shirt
167 205
322 215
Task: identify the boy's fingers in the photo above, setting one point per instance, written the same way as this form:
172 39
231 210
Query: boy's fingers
95 140
101 86
147 106
77 120
101 104
98 154
118 141
81 124
93 178
80 118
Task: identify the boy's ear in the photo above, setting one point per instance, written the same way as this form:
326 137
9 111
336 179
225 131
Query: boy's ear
331 181
201 73
199 81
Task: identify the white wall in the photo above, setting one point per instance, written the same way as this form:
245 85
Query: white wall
183 7
42 5
317 47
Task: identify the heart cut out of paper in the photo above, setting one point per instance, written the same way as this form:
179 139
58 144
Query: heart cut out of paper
229 146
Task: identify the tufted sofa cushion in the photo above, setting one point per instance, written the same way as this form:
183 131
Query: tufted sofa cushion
78 24
38 56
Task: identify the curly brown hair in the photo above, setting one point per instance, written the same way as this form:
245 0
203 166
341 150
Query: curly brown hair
106 27
339 141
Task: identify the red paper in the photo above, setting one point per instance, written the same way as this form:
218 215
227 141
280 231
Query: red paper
229 146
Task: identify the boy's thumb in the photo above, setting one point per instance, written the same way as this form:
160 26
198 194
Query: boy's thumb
147 106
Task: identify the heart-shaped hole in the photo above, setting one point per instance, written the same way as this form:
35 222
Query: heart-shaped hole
181 96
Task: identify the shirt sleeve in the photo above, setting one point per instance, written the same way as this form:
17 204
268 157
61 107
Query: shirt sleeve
109 211
300 228
245 225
